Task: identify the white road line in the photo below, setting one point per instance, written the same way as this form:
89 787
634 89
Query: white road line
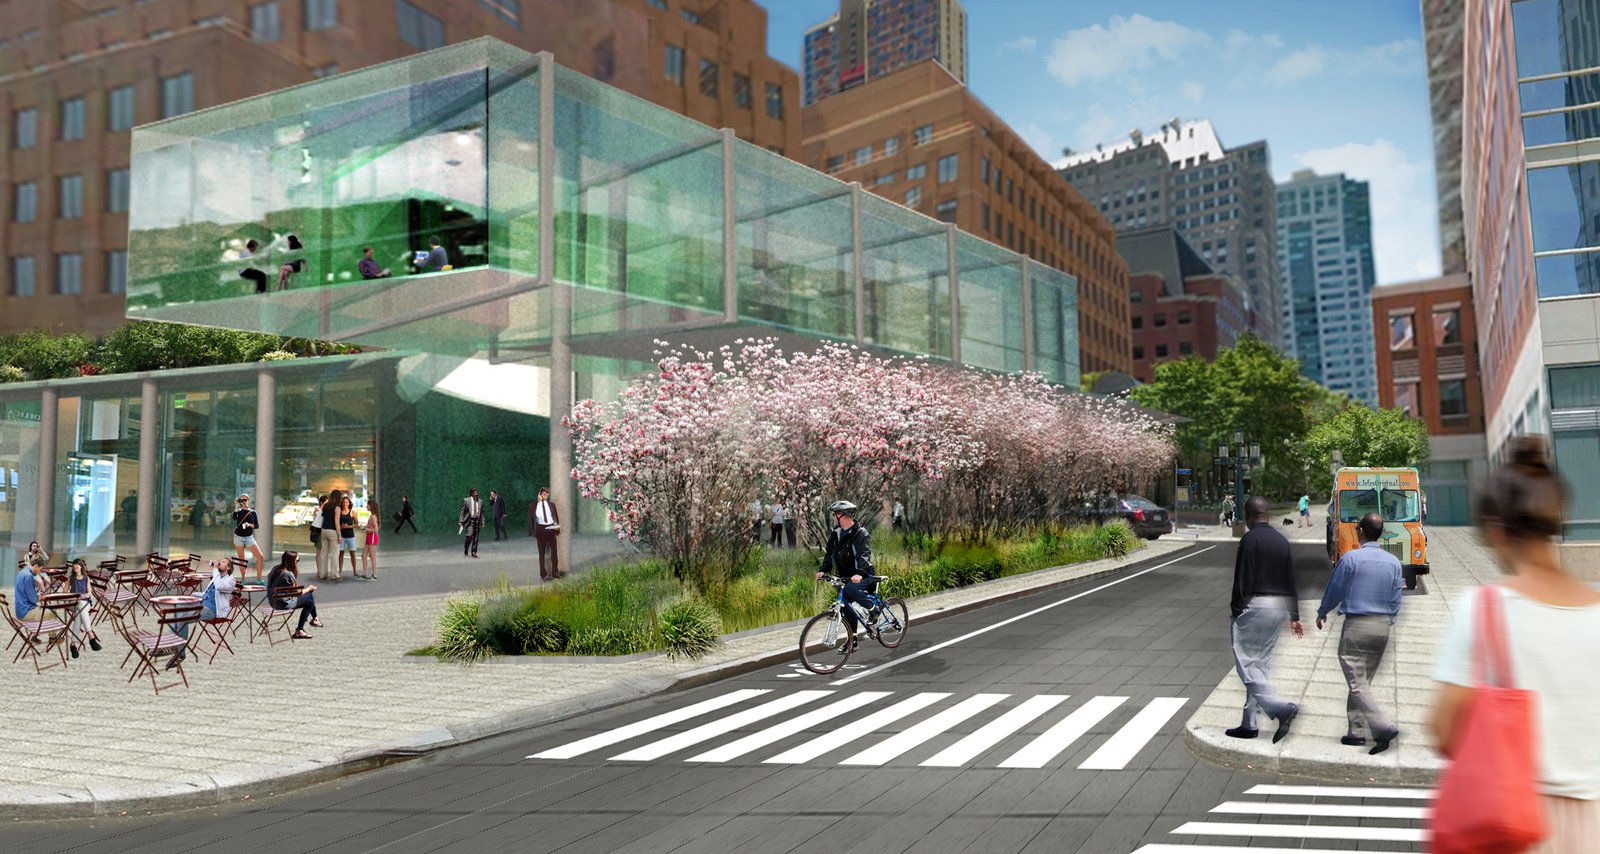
1324 810
1057 738
1170 848
994 732
856 731
719 727
1120 749
661 721
1342 792
886 750
1301 831
776 732
992 626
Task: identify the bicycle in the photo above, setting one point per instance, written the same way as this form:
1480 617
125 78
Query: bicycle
824 633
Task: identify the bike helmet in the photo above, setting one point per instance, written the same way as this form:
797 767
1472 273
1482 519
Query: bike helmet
842 507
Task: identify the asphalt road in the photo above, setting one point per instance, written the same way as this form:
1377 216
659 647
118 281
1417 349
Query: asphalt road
1049 723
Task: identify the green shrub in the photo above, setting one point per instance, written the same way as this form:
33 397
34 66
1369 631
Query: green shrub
538 633
690 628
1114 540
497 623
12 374
456 634
610 640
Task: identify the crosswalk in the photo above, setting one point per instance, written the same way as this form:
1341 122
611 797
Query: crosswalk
876 728
1375 819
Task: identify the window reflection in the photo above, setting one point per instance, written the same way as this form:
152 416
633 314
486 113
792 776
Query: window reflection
1446 326
1402 332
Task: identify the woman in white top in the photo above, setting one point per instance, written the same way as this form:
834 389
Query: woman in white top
1553 630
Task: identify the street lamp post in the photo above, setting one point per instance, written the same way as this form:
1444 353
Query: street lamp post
1242 456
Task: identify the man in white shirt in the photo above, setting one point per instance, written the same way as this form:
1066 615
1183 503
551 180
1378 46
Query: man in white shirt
471 520
545 525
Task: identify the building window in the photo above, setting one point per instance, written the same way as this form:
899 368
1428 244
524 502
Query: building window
418 28
917 172
177 94
659 4
70 195
26 123
922 135
863 155
891 145
1575 387
983 170
886 178
1402 332
741 90
689 16
117 271
1405 398
835 161
120 108
985 217
774 101
1138 321
1160 319
1136 297
672 64
509 11
1138 353
264 21
605 58
948 167
1185 348
913 197
322 14
22 276
1161 351
1184 319
1452 398
1446 326
72 118
116 190
25 202
69 274
708 78
945 211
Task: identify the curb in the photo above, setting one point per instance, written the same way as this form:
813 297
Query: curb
211 790
1208 746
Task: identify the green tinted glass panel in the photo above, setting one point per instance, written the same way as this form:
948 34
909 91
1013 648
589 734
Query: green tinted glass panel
1054 295
990 281
905 263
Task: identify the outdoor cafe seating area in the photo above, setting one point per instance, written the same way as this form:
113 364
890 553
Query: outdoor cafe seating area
155 608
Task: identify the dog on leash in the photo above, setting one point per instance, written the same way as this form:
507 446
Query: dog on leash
1288 523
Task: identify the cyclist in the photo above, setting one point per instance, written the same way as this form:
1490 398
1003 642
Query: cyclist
849 555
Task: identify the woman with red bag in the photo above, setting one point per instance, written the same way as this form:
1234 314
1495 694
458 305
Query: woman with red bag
1520 683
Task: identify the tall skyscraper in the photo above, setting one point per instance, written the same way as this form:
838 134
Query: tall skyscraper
1222 200
1325 253
76 76
867 39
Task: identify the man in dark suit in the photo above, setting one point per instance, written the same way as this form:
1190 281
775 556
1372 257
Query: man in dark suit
545 525
471 522
497 511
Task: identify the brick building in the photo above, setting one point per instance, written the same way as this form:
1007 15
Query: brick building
868 39
76 76
1179 305
921 138
1427 365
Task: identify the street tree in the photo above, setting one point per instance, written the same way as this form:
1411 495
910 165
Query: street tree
1364 436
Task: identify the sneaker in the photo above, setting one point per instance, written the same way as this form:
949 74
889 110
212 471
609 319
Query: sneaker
74 648
94 644
172 663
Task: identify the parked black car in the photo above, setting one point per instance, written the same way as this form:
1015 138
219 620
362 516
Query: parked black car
1145 517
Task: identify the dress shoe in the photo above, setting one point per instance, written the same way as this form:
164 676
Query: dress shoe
1284 720
172 663
94 644
1241 732
1354 740
74 648
1381 742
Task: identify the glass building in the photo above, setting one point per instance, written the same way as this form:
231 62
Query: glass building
579 226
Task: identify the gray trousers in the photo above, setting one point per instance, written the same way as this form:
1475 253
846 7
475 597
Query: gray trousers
1361 647
1255 634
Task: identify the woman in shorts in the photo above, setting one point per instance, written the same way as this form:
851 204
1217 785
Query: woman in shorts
245 523
347 536
369 554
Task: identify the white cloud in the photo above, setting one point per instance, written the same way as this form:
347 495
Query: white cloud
1403 56
1239 41
1303 63
1026 44
1405 241
1192 92
1099 52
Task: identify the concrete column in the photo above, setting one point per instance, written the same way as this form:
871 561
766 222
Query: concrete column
45 506
730 217
266 456
561 491
1027 316
150 425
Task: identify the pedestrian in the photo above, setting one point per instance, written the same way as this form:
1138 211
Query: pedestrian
897 515
437 258
1264 598
471 522
82 631
1365 587
369 268
1305 511
369 551
36 552
197 520
347 536
1227 511
789 525
245 524
316 527
497 511
775 526
544 522
328 539
405 515
286 574
1551 623
758 518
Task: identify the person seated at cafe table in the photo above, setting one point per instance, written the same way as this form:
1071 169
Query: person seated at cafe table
214 604
25 594
368 267
82 630
285 575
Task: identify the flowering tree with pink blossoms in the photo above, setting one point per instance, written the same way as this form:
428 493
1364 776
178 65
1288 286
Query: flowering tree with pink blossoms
681 454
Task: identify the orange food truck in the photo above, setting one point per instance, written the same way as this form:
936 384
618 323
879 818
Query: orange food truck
1395 494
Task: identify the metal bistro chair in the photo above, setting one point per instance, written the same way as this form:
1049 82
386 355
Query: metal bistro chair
116 596
49 628
271 619
163 643
216 629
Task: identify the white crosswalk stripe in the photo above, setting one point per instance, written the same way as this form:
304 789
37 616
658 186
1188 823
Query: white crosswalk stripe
1321 813
806 726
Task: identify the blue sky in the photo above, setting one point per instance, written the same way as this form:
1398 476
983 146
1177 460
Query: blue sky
1338 87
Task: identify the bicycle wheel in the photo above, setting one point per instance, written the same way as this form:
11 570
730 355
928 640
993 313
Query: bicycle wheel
820 641
894 610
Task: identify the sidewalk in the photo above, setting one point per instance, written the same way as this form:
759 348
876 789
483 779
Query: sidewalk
270 720
1307 672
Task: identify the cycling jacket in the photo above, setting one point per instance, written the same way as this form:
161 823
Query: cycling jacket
848 553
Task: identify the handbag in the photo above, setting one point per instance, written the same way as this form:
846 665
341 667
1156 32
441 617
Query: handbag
316 535
1488 798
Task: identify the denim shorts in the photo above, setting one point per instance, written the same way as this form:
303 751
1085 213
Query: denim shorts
347 544
244 542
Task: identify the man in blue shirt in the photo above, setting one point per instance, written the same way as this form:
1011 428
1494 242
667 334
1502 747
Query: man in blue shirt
437 259
25 595
1366 588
